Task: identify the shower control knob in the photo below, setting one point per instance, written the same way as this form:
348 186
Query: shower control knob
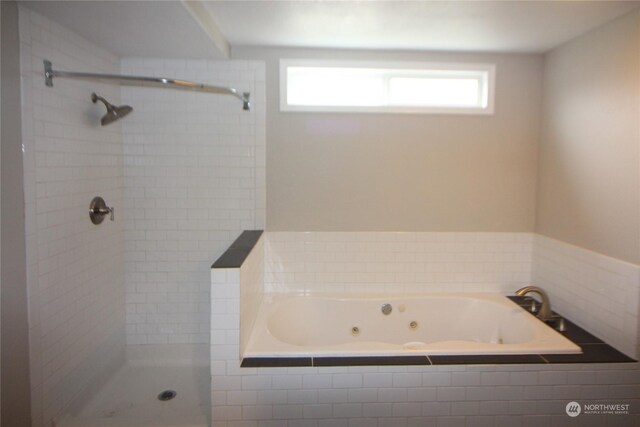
98 209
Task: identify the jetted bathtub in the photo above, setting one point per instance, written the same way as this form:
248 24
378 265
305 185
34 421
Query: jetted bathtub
426 324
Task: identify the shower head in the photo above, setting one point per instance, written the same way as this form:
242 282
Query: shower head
113 113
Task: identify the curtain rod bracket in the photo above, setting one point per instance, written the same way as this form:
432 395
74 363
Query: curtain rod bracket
48 73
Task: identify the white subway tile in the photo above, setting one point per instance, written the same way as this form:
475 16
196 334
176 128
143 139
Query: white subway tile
65 159
347 410
422 394
360 395
283 412
377 410
300 397
392 395
445 394
552 378
257 412
272 397
412 409
347 381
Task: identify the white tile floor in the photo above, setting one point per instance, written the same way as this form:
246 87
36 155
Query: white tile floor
129 398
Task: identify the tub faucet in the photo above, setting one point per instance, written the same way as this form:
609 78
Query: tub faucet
545 309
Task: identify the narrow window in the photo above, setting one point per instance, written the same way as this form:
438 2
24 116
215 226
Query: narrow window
386 88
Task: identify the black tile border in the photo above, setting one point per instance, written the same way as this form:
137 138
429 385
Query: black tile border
591 353
371 361
239 250
594 350
488 359
275 362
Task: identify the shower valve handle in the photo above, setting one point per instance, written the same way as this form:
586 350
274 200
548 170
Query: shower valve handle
104 211
98 209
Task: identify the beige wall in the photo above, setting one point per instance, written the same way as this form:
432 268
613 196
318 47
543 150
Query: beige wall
404 171
589 160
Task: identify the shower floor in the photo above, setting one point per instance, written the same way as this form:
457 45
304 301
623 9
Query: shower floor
130 397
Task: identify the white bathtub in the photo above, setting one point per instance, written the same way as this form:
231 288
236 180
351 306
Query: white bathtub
426 324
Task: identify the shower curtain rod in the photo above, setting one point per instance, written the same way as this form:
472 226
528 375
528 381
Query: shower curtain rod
49 74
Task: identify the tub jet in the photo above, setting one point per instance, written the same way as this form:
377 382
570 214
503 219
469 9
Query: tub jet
167 395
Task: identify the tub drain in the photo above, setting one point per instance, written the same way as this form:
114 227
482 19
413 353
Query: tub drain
167 395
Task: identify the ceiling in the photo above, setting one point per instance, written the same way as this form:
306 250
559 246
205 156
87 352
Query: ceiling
206 29
147 29
533 26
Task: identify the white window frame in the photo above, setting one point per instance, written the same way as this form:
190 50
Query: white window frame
488 88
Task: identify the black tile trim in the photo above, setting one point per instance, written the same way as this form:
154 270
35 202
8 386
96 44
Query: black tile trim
371 361
591 353
278 362
275 362
578 335
488 359
239 250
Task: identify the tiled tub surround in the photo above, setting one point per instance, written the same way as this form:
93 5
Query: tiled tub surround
248 250
387 262
450 395
455 394
607 290
599 293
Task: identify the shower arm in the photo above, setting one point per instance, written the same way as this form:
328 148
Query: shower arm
49 74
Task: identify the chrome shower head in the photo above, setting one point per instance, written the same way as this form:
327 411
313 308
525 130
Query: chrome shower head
113 113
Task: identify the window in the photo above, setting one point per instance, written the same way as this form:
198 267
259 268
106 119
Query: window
395 88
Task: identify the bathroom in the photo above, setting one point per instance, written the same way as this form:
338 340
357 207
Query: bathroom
542 191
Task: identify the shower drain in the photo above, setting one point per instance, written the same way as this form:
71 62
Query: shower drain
167 395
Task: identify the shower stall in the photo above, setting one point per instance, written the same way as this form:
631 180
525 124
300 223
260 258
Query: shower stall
119 312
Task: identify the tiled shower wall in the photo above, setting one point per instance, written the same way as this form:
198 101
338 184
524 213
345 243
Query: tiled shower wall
75 270
194 178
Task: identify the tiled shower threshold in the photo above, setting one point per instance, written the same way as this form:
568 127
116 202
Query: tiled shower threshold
594 350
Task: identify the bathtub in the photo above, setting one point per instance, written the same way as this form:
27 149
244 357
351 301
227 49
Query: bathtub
425 324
